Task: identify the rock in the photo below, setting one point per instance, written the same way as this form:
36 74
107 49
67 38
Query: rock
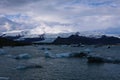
22 56
48 48
1 46
4 78
45 48
95 59
116 61
108 47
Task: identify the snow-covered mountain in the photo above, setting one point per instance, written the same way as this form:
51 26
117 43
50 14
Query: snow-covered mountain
51 30
113 31
15 33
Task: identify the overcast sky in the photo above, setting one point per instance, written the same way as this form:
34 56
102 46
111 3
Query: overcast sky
62 15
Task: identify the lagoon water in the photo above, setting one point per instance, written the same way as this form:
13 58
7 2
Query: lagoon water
60 68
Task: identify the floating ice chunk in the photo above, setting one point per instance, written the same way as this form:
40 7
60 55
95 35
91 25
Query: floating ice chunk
9 56
21 67
4 78
69 55
62 55
48 54
82 45
64 45
22 56
87 50
2 52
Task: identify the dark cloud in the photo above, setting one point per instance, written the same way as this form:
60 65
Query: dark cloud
81 14
15 3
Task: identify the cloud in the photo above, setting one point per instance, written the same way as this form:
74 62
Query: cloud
76 15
